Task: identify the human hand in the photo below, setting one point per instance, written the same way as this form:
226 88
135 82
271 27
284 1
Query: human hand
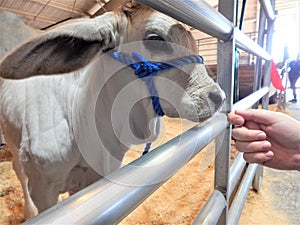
268 138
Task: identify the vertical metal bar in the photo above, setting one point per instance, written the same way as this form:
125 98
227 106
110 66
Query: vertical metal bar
266 83
215 205
260 42
268 65
268 8
242 14
258 178
257 181
236 91
212 209
235 171
226 57
241 195
236 13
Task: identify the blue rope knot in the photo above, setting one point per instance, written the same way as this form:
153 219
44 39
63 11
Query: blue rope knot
143 68
146 70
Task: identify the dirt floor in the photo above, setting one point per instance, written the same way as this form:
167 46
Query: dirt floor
11 196
180 199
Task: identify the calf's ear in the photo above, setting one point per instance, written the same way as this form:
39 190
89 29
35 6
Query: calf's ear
64 49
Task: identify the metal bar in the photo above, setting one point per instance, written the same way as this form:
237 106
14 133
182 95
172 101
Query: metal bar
214 206
196 13
245 43
268 65
260 42
241 195
225 78
268 9
235 171
257 182
258 178
212 209
109 200
266 82
250 100
242 14
202 16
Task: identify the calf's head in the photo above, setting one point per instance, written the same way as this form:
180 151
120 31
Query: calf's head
184 91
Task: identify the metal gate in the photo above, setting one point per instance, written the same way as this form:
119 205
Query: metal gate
106 202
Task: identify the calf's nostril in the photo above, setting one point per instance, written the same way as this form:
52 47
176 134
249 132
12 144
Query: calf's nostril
216 98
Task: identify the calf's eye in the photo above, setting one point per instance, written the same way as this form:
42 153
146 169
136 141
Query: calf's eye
156 43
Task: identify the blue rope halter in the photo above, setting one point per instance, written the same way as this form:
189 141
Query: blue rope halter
145 70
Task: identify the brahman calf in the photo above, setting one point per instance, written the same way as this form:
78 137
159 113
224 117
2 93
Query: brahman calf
74 99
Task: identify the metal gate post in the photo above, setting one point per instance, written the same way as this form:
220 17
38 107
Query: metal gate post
260 42
225 77
257 182
258 178
268 64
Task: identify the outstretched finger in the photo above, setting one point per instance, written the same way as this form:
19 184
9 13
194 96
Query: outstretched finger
258 115
235 119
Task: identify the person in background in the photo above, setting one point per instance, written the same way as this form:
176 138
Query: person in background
294 73
268 138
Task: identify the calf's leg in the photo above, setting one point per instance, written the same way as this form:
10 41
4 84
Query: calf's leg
30 209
